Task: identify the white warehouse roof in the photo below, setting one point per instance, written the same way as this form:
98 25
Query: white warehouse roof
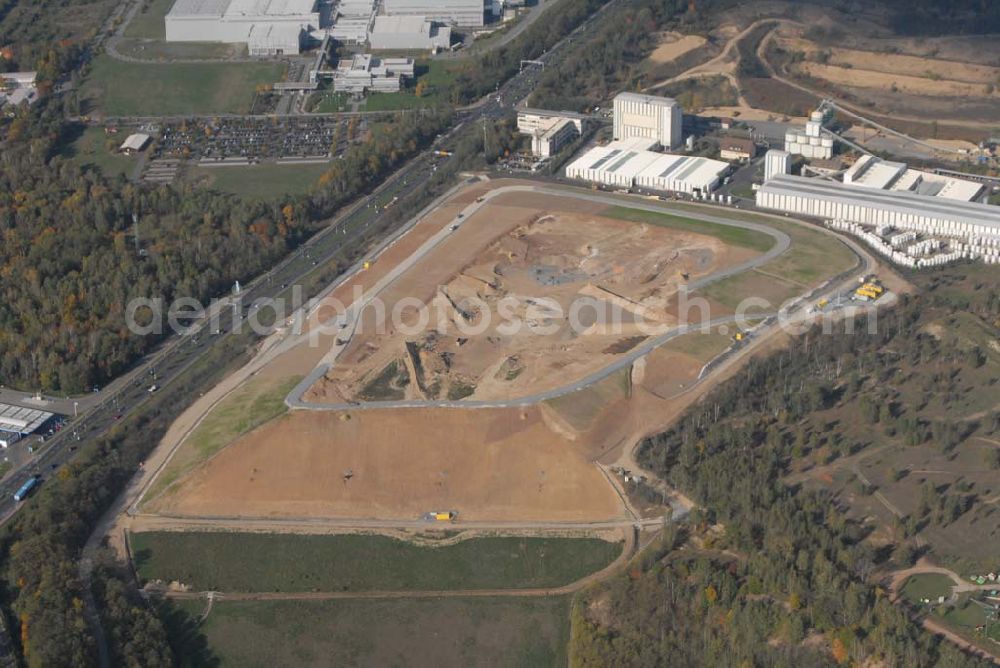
21 420
202 8
985 217
629 162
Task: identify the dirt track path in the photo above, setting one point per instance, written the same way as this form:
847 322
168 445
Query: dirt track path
723 64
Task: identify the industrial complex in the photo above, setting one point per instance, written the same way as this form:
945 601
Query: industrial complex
268 27
631 162
916 218
285 27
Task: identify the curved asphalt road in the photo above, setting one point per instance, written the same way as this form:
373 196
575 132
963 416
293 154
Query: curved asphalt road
351 317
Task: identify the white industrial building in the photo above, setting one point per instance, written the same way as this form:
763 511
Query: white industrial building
630 163
549 131
873 172
352 20
884 209
648 117
17 422
462 13
267 27
777 162
366 73
408 33
811 142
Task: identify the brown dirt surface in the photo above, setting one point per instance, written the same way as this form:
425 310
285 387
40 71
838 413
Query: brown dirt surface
900 64
514 252
674 45
915 85
486 464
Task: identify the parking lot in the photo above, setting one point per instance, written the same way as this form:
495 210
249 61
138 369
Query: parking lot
257 139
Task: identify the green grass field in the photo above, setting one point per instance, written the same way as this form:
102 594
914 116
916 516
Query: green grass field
523 632
332 102
260 182
734 236
702 346
255 402
926 585
126 89
148 21
96 149
248 562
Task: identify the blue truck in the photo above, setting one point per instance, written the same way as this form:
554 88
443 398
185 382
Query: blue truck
22 494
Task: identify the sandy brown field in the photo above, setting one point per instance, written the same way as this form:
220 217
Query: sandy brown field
917 85
500 266
674 45
892 63
486 464
533 464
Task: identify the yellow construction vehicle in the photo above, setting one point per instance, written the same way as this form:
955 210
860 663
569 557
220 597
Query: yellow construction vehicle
367 264
444 516
822 302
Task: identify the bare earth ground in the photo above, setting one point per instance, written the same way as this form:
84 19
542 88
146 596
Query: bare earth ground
486 464
674 45
521 249
533 464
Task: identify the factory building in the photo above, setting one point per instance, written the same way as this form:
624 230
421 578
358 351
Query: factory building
267 27
810 142
882 209
873 172
777 162
648 117
352 19
16 422
408 33
462 13
630 163
364 73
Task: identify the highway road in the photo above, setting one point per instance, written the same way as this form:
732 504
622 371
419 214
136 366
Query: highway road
178 353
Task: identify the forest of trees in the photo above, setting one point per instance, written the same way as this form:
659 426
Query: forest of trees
789 564
606 64
68 264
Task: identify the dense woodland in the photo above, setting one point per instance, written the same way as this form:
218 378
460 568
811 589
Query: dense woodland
785 576
69 263
606 64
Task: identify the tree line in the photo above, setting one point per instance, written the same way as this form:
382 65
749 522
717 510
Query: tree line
777 564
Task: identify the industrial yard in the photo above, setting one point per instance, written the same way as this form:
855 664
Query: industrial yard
621 275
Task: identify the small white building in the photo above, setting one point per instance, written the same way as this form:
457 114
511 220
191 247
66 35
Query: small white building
777 162
549 131
648 117
408 33
134 143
